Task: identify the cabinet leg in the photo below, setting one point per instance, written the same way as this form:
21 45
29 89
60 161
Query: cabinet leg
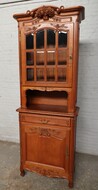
70 184
74 168
22 173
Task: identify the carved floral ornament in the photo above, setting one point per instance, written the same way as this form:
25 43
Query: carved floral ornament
45 12
58 134
51 172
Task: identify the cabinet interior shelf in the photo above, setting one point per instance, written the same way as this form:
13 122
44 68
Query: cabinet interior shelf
51 109
50 101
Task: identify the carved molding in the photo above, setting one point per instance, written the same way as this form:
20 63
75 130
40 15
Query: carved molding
48 172
45 12
57 26
47 89
59 134
31 29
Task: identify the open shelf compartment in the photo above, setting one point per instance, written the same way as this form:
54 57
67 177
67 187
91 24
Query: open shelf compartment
50 101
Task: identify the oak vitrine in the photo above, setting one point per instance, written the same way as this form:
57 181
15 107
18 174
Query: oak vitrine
48 51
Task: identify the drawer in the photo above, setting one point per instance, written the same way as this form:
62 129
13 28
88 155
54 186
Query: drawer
51 120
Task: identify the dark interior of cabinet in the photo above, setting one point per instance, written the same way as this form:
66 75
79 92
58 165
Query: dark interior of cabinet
52 101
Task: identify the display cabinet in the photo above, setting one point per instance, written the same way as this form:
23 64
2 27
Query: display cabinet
48 51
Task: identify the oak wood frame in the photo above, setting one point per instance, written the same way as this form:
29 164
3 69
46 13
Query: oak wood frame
45 123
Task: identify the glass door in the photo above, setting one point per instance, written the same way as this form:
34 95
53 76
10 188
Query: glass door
47 57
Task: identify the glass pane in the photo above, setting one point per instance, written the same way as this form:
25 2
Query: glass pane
40 39
51 58
30 41
62 39
40 74
30 58
30 74
61 74
62 55
50 74
50 38
40 57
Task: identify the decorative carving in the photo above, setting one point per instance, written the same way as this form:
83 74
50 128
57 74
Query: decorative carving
45 12
67 123
31 29
45 132
57 19
48 132
48 172
57 26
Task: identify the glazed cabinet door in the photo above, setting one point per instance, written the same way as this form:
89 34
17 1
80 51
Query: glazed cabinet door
47 54
45 149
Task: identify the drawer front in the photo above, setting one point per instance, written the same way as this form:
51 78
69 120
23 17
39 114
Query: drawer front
31 118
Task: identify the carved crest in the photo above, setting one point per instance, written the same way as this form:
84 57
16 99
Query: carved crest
44 12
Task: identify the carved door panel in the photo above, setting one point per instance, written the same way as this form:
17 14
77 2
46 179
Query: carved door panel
48 145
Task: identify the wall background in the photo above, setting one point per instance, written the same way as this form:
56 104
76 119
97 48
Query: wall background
87 130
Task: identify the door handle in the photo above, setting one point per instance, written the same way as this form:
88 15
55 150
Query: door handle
70 57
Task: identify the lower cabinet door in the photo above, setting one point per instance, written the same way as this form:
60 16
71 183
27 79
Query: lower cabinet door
45 149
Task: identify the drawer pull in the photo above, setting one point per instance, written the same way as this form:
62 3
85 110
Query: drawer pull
44 121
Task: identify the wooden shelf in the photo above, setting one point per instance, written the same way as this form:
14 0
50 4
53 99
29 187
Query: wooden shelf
49 108
43 112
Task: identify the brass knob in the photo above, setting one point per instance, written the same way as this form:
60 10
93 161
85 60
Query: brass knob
70 57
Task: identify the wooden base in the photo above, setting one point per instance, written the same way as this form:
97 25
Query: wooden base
70 184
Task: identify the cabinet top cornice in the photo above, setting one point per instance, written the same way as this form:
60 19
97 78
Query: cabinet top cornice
46 12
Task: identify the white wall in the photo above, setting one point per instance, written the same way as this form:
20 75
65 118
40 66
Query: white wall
87 128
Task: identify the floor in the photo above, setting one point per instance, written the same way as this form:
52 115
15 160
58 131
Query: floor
86 173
